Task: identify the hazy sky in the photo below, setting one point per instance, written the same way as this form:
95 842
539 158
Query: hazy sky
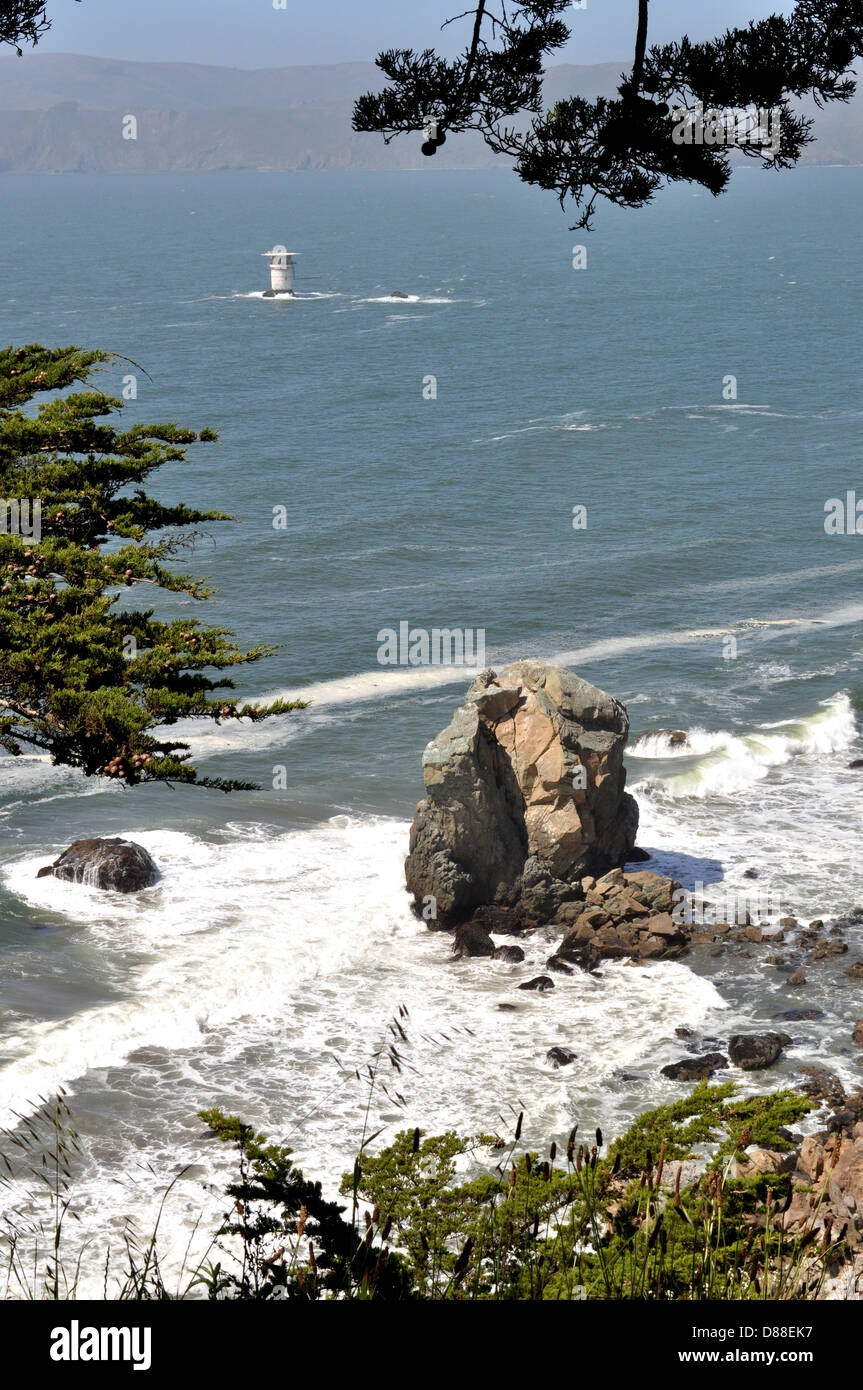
252 33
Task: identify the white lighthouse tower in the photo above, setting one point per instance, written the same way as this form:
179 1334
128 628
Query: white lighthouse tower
281 271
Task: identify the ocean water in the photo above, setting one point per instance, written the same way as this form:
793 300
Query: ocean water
704 593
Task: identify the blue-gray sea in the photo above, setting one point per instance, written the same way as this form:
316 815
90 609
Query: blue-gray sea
704 592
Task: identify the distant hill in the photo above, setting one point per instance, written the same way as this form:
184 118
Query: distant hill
64 113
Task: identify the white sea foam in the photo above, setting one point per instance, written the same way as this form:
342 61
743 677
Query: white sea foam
722 763
409 299
261 959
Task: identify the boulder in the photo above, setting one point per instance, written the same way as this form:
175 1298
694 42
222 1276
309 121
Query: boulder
118 866
755 1160
695 1068
559 1057
857 1035
542 983
797 978
855 971
524 796
513 955
755 1051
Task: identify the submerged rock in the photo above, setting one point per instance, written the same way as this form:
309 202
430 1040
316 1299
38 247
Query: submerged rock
524 795
513 955
559 1056
118 866
540 983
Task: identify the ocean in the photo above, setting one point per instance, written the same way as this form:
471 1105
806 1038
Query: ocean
704 592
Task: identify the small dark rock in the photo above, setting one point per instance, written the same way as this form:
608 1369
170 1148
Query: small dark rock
798 978
695 1068
559 1057
511 954
750 873
684 1033
855 971
539 982
788 1136
800 1015
857 765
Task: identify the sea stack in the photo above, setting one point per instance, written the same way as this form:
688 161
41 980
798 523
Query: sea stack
524 796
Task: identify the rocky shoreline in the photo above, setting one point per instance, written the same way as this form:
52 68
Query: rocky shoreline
527 832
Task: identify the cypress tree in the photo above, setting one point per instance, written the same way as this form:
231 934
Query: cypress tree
81 677
619 149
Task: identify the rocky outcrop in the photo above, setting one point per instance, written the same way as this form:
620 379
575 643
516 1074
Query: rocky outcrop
118 866
524 796
827 1184
622 915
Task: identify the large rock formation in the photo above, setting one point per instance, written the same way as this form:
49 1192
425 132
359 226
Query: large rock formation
525 795
115 865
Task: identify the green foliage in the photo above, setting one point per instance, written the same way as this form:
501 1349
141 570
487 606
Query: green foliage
81 677
622 149
293 1243
708 1115
461 1218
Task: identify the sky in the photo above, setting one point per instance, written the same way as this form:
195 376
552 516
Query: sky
254 33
